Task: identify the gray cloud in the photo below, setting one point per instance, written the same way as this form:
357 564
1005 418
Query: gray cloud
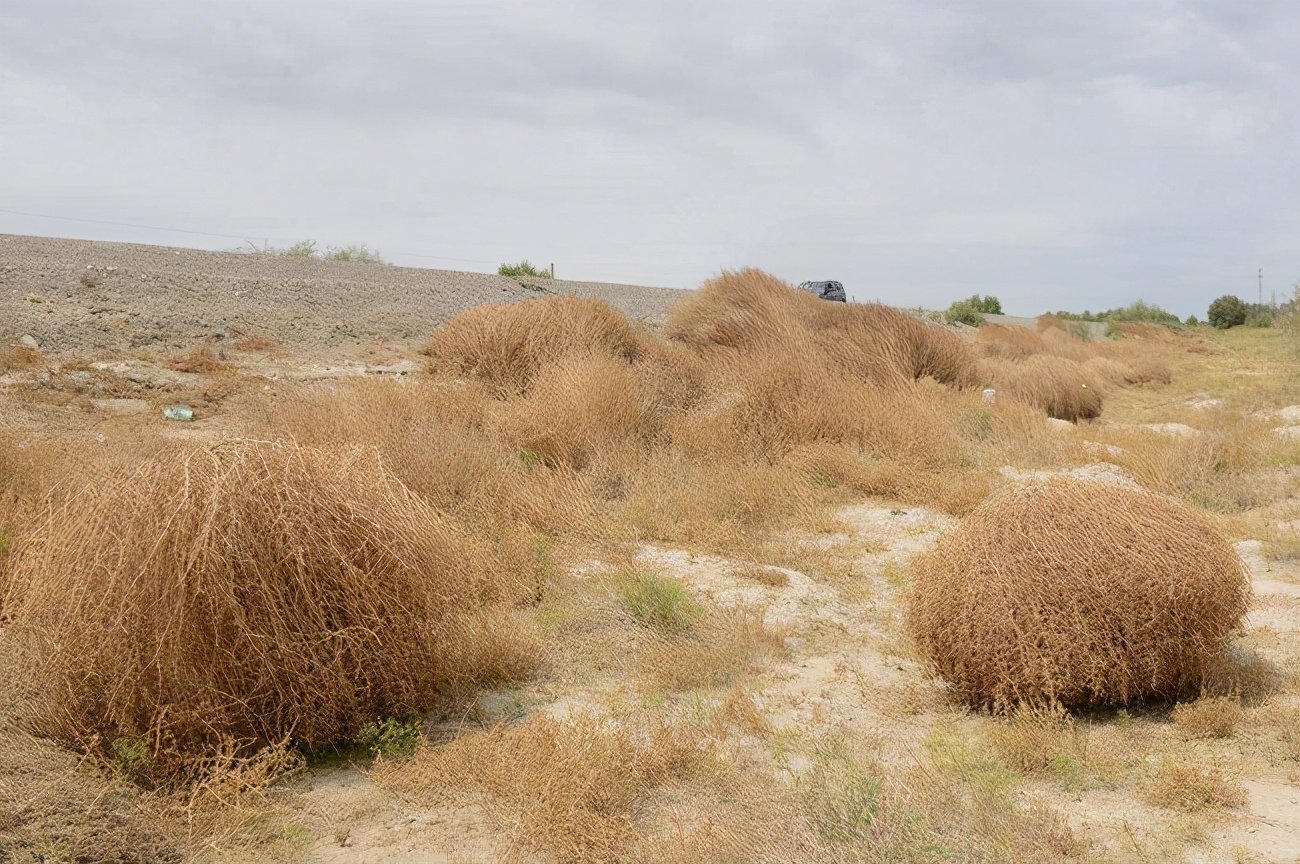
1069 154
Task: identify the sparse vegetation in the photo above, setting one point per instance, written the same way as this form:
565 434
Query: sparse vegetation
1190 787
1139 312
643 593
357 252
1209 717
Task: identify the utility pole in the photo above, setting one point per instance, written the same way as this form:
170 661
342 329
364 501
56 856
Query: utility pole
1261 287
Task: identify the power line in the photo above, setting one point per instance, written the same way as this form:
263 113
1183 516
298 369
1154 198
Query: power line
243 237
124 224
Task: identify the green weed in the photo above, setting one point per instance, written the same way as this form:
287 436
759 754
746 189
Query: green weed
392 737
657 601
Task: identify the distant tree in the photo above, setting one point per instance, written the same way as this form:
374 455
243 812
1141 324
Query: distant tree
523 268
972 310
1227 311
1192 321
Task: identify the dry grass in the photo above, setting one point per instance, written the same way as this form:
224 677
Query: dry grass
203 359
595 789
442 441
1062 388
1009 343
713 652
256 343
1034 740
763 575
251 593
506 344
1209 717
16 357
1002 604
1190 787
1231 466
56 807
569 789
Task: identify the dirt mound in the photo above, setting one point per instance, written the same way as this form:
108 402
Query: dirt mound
72 294
251 593
1076 593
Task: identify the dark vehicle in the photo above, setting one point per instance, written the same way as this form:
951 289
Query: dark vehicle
825 290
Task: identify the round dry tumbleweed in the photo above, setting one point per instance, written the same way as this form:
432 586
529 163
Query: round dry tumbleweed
1076 593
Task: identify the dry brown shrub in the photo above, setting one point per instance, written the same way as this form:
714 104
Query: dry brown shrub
253 592
256 343
568 788
440 439
201 359
581 405
1189 787
15 357
1062 388
750 311
674 373
1208 717
1003 603
1061 343
506 344
1149 370
1136 370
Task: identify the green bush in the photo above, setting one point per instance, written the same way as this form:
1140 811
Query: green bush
972 310
1227 311
1191 321
523 268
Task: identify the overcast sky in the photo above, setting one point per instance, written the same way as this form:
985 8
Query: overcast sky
1063 154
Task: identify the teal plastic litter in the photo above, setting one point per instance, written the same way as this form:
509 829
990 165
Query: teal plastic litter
178 412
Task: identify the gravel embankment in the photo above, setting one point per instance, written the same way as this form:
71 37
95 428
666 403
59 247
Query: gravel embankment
70 294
